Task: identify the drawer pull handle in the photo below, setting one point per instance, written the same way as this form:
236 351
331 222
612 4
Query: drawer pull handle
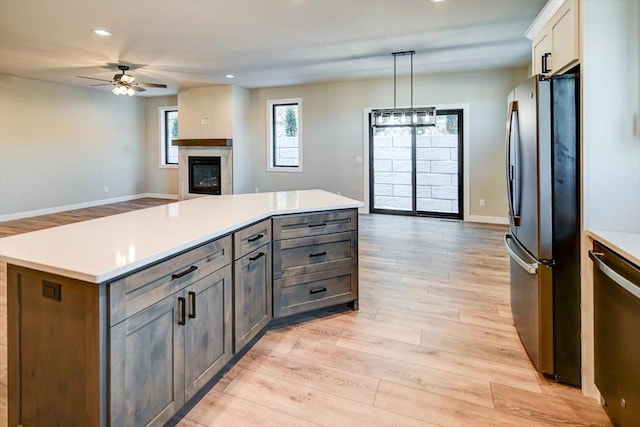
184 273
318 224
254 238
192 305
317 254
181 311
318 290
261 254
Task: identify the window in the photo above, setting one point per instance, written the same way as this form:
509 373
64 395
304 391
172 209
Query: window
285 135
168 132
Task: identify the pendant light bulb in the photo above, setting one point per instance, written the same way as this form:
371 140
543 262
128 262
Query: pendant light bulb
414 118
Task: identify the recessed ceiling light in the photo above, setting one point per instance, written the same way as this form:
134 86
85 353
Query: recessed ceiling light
437 1
229 76
101 32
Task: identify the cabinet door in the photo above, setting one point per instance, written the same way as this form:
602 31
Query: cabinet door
147 365
542 46
252 295
207 337
565 35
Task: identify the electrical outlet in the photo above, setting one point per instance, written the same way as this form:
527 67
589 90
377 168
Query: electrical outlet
257 189
483 203
106 188
338 193
358 159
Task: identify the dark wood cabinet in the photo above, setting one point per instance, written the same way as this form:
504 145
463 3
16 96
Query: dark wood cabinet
252 281
161 356
315 261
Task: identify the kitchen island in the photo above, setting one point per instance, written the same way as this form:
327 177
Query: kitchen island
122 319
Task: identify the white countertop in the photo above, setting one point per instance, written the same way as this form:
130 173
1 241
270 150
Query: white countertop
626 244
101 249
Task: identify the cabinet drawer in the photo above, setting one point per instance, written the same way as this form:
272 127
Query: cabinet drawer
310 254
139 290
251 237
313 291
313 224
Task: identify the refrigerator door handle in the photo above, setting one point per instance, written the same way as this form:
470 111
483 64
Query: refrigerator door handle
625 284
529 267
512 159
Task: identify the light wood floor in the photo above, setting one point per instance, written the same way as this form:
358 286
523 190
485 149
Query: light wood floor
432 344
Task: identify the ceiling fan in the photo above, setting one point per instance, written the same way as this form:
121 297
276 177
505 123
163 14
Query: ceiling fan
123 83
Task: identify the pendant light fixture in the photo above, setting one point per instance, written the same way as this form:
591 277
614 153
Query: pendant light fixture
425 116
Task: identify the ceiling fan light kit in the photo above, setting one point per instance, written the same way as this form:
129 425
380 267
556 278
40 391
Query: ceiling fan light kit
124 84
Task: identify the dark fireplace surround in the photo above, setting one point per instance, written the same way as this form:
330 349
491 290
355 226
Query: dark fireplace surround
205 175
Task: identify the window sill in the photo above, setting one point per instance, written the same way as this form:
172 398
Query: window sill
284 169
168 166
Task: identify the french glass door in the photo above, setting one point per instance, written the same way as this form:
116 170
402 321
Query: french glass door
417 169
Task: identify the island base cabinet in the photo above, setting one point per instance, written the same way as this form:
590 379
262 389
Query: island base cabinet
162 356
54 335
252 295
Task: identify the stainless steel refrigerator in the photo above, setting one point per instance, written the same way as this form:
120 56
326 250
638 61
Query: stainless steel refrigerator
543 241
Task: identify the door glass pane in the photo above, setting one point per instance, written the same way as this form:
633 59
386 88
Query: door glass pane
392 168
437 166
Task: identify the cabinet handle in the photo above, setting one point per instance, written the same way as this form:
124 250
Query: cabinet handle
317 254
184 273
261 254
317 290
254 238
181 311
545 62
192 305
318 224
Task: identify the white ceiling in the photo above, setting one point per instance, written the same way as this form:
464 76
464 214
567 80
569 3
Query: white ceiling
190 43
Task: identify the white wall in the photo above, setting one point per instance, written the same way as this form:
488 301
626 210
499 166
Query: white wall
160 180
214 104
611 149
333 130
61 145
241 148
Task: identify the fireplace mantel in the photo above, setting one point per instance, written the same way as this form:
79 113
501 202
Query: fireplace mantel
202 142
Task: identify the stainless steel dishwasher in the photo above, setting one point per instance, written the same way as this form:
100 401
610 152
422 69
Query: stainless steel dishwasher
616 284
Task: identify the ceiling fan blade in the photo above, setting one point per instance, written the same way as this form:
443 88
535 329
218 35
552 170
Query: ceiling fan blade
138 89
152 85
93 78
102 84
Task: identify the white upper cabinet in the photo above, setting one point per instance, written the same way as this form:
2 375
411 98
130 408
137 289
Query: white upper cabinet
555 37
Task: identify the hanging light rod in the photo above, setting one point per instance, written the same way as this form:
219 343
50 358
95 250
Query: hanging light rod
403 116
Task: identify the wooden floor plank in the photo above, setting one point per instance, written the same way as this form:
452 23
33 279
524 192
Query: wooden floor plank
307 372
411 375
549 409
441 410
437 359
310 404
220 409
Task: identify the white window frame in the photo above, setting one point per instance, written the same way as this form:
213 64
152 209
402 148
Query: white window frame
270 141
161 121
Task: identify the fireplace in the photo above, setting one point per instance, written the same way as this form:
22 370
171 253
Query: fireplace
204 175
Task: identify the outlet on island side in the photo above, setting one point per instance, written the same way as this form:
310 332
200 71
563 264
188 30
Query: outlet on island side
483 203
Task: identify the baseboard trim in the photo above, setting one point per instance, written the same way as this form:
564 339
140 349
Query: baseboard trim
160 196
487 219
46 211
